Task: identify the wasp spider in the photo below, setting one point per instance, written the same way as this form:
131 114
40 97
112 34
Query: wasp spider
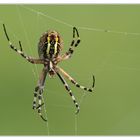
49 48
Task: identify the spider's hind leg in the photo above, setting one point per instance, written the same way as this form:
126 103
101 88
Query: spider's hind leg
74 43
20 51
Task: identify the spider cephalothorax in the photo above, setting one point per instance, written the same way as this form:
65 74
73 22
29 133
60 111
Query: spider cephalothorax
49 47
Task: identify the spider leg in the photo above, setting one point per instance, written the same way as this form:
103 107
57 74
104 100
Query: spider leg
40 103
69 91
75 83
30 59
74 44
38 93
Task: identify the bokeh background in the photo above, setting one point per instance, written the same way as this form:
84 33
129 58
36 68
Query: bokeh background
109 49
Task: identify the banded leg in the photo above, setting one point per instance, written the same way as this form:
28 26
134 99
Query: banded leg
35 96
38 93
74 44
70 92
40 104
75 83
30 59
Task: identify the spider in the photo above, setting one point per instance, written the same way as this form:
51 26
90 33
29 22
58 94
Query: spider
49 48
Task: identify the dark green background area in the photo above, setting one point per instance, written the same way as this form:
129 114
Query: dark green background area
114 58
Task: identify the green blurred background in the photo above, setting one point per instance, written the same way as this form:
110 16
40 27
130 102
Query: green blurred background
113 57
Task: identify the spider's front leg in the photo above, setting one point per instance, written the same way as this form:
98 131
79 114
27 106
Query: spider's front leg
69 91
74 44
74 82
28 58
39 91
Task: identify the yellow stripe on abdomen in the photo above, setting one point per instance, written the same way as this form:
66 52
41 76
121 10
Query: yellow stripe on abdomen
55 48
48 48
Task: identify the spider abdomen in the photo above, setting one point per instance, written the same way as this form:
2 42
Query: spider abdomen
50 45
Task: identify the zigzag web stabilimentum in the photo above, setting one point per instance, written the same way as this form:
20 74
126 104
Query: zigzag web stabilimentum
35 69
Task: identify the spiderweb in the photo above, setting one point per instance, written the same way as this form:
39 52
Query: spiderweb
35 69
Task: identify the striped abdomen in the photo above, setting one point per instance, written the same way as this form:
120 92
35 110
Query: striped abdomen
50 45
